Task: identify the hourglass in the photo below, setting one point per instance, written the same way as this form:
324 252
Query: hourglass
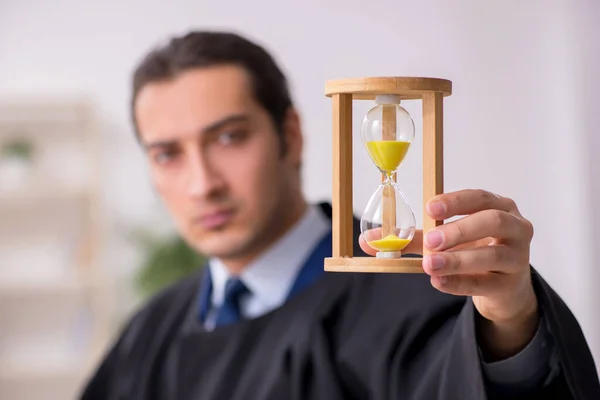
388 223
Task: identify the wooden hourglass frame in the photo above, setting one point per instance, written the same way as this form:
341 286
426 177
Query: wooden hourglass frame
343 92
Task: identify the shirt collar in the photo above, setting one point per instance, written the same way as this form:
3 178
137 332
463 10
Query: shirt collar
270 277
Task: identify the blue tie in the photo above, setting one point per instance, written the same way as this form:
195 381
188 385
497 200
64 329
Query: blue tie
229 312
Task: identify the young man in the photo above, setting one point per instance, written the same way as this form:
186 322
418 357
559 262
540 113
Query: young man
263 321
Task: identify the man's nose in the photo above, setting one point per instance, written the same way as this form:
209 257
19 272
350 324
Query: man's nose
203 178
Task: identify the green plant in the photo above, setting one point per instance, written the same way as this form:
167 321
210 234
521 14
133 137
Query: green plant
18 148
166 260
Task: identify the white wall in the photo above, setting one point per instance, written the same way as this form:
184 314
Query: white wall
588 87
520 121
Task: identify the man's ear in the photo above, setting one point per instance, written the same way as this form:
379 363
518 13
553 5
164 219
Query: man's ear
293 140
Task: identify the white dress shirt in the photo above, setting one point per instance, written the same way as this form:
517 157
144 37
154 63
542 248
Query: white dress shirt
271 276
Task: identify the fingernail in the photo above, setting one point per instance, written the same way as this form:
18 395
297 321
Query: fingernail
443 280
433 239
434 262
436 208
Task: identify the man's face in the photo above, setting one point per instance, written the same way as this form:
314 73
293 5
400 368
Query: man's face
216 159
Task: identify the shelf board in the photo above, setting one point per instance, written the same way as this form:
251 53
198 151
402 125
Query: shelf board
36 369
39 288
32 288
43 194
27 199
50 110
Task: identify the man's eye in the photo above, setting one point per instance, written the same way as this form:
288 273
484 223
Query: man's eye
165 156
231 137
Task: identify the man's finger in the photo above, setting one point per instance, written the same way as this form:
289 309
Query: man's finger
497 259
488 223
365 247
468 201
471 285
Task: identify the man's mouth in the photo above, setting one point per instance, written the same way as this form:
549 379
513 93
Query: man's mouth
214 220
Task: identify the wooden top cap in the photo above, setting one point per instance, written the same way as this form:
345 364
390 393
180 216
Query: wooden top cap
406 87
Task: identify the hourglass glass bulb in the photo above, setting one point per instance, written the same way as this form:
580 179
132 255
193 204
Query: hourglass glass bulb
387 132
388 222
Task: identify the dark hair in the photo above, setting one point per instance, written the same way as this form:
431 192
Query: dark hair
209 48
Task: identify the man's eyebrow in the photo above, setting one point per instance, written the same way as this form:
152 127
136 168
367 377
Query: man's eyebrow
227 120
215 126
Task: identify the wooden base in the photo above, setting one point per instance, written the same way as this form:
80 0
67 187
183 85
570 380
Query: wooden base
372 264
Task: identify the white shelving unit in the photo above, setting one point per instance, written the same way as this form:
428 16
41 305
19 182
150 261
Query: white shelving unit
54 298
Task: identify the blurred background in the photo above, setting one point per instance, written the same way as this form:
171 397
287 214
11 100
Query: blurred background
84 239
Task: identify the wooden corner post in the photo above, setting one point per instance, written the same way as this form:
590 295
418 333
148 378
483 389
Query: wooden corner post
342 214
433 155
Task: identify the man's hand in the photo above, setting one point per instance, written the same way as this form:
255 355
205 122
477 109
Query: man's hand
485 255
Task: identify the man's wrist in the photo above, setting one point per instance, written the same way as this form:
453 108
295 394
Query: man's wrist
501 340
530 369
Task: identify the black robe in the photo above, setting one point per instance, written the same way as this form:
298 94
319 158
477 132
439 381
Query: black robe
347 336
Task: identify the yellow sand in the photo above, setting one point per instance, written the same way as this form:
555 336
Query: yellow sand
389 243
387 154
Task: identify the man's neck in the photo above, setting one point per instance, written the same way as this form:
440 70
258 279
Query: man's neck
236 265
280 269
